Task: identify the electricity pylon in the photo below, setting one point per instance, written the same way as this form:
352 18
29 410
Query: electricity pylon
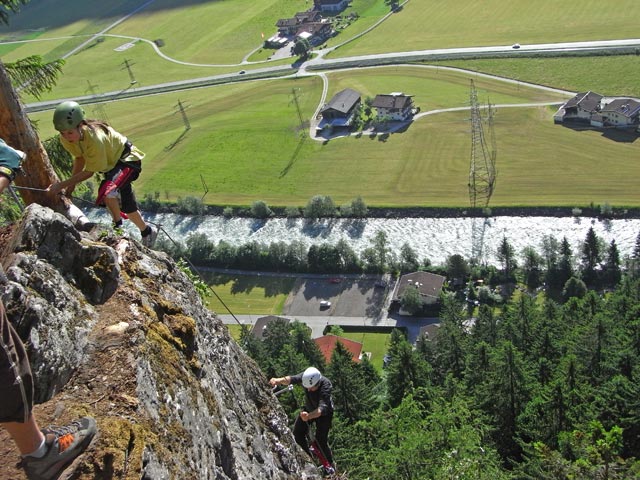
482 168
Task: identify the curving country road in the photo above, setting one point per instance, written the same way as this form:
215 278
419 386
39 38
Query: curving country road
319 65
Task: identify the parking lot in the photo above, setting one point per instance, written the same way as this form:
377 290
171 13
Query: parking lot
350 296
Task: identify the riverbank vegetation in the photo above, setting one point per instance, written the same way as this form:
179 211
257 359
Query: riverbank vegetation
553 267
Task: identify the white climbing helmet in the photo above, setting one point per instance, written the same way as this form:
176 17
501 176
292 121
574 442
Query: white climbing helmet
310 377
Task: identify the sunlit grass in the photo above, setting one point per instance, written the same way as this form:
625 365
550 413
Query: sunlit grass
246 144
247 295
608 75
376 343
431 24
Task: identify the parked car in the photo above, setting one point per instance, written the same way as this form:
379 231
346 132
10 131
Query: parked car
325 304
335 280
381 284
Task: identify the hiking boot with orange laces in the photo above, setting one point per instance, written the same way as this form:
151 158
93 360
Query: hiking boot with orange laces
64 444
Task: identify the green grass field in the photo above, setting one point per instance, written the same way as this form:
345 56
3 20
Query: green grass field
201 39
428 24
376 343
235 330
245 294
246 142
606 75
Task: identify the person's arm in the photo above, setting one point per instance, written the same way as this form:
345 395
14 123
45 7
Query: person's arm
306 416
78 175
324 401
4 183
280 381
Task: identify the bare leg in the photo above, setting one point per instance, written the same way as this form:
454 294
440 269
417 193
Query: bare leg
27 436
137 219
114 208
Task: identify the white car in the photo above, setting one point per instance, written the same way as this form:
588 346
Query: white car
325 304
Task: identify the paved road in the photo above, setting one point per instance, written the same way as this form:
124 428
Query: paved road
318 64
319 323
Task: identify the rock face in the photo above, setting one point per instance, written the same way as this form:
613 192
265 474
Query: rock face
118 332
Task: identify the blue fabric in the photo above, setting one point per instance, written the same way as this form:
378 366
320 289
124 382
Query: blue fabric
9 157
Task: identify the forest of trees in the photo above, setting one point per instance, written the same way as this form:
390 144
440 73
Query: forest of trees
538 387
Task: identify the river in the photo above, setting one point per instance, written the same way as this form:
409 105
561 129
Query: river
432 238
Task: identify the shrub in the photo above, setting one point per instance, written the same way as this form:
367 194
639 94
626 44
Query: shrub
260 209
320 206
151 202
190 206
292 212
200 248
359 208
346 210
606 210
201 287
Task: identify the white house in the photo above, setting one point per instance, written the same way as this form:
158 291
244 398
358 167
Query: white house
599 111
394 106
581 107
621 112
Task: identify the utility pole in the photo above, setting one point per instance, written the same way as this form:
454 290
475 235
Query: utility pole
183 112
128 66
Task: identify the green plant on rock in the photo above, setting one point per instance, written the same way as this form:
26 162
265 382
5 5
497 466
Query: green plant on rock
201 287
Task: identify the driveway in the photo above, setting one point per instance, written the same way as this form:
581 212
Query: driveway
350 296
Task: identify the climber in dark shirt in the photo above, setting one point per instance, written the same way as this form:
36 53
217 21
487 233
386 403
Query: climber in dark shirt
318 408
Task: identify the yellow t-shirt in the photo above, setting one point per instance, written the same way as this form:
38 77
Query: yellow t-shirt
101 150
